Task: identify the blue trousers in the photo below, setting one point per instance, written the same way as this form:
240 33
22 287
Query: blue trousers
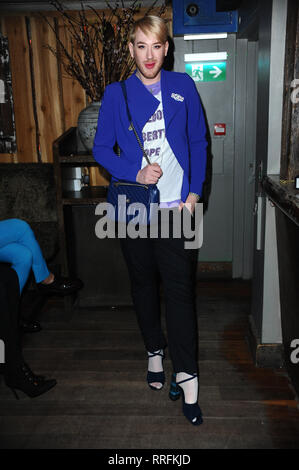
18 246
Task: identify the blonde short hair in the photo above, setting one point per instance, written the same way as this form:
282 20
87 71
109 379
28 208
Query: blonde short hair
150 24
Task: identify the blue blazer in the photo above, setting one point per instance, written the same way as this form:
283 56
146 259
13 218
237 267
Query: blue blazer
184 128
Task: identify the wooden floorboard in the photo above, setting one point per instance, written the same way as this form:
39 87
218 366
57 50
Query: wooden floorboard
102 401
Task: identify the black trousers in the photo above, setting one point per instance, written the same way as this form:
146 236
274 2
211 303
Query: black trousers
9 316
149 260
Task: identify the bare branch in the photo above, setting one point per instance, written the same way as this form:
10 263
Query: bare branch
96 52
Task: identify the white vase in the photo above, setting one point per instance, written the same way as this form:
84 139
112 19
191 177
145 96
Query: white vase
87 124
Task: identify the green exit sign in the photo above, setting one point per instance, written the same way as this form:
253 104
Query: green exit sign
207 72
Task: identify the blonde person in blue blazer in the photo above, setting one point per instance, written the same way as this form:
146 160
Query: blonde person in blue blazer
168 117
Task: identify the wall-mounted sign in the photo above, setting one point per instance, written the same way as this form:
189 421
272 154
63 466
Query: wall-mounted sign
220 128
206 71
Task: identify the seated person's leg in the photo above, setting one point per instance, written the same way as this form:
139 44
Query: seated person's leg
20 259
19 232
27 239
46 280
17 373
9 318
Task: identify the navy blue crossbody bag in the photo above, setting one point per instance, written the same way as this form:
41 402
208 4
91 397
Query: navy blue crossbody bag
131 192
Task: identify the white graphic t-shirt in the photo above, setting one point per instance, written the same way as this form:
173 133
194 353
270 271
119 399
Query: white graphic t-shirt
159 151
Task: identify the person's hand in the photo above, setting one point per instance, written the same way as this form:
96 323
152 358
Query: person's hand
190 203
150 174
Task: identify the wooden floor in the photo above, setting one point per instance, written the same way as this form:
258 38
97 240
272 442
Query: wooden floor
102 401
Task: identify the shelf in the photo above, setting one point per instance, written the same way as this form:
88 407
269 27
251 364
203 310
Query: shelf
284 196
66 154
77 159
87 195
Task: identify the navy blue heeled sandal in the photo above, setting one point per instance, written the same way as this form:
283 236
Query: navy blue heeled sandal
158 377
191 411
174 392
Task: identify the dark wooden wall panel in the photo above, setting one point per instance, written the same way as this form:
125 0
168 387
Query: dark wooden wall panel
73 95
49 111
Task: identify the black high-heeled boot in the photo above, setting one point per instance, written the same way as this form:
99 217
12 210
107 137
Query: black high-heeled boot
30 326
23 379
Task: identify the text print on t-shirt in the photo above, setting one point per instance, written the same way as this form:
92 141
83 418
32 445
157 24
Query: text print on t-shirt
156 135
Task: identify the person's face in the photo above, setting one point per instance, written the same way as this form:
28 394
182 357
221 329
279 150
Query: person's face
149 54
